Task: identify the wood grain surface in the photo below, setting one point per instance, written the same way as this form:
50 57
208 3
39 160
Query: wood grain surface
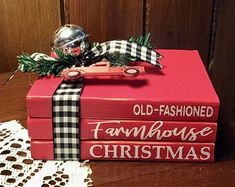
106 19
223 68
180 24
13 97
116 173
150 174
26 26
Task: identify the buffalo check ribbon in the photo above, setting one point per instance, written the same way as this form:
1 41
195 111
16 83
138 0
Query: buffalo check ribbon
66 112
126 47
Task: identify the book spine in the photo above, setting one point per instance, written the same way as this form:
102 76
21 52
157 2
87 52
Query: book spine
173 131
39 97
148 110
40 128
132 151
42 150
39 105
148 151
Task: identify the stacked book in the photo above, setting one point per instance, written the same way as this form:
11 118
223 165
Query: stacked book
163 115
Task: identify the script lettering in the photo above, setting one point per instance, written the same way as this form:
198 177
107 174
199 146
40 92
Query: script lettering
157 131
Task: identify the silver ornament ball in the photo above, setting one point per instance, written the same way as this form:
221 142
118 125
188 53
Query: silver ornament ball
71 38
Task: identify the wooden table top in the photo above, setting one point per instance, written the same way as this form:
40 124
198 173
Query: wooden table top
115 173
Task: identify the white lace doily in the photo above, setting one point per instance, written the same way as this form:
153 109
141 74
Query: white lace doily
17 168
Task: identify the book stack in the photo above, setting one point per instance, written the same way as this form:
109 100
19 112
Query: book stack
163 115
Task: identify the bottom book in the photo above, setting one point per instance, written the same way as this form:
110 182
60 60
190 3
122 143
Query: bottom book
133 150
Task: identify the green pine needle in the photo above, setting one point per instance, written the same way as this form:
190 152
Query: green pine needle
44 66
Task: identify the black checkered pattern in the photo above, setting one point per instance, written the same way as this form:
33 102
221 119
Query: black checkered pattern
66 103
126 47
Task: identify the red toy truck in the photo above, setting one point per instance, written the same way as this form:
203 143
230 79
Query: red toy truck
102 68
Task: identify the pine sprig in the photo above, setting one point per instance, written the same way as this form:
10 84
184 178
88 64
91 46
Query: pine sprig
142 40
45 65
117 59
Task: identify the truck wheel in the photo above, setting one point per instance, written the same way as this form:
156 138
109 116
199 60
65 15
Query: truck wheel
73 74
131 72
70 74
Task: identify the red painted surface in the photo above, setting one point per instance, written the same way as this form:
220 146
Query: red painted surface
149 151
42 150
183 82
39 97
133 150
41 128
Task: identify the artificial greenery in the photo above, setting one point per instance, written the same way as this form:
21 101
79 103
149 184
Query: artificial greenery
45 65
142 40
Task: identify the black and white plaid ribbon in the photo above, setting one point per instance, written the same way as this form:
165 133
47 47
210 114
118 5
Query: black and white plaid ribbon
125 47
65 106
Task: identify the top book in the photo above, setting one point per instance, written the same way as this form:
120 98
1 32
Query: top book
181 91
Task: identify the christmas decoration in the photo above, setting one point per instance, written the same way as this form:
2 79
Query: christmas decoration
101 68
170 116
43 64
71 48
72 39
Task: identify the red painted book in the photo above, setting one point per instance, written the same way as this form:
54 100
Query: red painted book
180 91
173 131
149 151
40 128
133 150
42 150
